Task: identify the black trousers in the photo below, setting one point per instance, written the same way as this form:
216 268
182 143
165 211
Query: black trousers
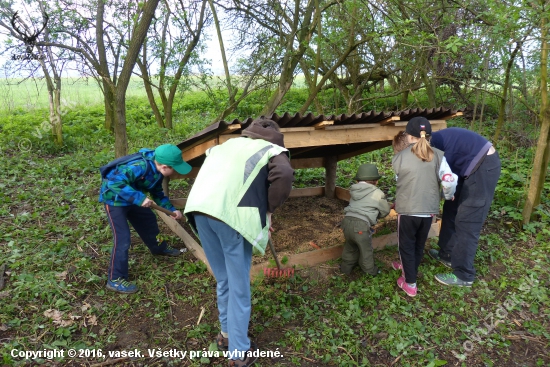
412 234
144 222
464 217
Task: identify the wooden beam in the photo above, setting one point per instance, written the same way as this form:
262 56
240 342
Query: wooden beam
307 191
331 164
453 116
297 163
390 120
323 124
188 241
231 128
326 137
200 149
356 126
342 194
294 129
305 259
432 122
311 258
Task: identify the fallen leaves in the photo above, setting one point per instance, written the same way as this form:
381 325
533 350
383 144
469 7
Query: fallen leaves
61 319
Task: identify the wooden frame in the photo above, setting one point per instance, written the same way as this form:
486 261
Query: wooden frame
302 140
300 260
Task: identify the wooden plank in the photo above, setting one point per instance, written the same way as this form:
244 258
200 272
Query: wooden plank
347 136
323 124
189 242
344 134
432 122
291 129
307 191
297 163
305 259
356 126
179 203
200 149
453 116
390 120
231 128
342 194
311 258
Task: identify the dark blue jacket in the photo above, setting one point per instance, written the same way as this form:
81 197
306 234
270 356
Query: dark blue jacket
463 148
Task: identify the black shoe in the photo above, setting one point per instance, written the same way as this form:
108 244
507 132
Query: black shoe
434 254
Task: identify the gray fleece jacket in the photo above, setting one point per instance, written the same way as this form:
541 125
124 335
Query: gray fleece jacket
367 203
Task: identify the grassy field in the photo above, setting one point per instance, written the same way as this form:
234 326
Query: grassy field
55 246
31 95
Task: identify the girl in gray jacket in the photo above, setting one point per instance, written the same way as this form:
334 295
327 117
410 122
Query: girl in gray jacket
420 171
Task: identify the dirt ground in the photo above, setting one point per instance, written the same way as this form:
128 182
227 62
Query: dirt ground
305 224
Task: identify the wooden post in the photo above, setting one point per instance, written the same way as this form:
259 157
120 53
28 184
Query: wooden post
330 176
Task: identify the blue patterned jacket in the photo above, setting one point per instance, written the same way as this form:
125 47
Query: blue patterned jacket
128 183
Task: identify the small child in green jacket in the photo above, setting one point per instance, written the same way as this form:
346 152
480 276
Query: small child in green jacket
367 204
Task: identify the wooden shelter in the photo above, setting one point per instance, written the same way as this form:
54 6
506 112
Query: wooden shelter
313 142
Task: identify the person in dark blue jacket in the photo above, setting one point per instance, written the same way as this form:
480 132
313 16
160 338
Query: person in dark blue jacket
477 164
124 194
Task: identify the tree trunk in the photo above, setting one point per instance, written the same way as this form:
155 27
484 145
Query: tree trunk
140 31
148 86
504 98
430 90
542 154
405 99
109 102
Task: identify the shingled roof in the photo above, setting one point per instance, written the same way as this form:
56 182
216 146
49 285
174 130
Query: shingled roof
320 136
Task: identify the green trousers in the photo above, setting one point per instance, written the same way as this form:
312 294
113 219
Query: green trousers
358 246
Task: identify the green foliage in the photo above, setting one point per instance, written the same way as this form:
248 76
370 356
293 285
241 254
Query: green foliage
56 243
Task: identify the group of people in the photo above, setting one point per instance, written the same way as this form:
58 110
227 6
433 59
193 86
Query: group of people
456 164
244 180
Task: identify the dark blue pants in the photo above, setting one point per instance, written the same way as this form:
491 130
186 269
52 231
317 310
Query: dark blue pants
144 222
464 217
412 233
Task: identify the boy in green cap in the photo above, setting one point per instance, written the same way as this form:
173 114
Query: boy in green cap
123 191
367 204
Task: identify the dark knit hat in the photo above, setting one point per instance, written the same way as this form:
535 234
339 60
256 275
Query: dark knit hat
266 129
418 124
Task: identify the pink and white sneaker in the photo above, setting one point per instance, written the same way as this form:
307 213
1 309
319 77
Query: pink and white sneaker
411 291
396 265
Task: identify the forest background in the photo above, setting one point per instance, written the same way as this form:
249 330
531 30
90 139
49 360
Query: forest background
140 78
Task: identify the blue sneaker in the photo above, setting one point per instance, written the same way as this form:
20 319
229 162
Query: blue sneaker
170 251
451 279
121 286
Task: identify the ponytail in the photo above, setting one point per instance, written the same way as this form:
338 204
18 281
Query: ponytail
422 148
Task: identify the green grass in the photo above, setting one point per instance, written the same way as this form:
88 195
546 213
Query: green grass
55 242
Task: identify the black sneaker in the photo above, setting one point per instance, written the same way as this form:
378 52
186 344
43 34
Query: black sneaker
170 251
248 360
434 254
